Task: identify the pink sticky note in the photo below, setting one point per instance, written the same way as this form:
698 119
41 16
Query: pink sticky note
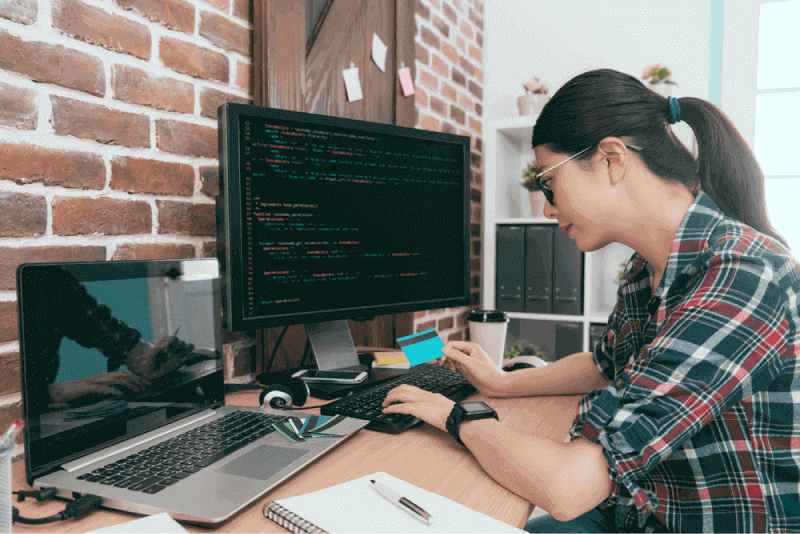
405 81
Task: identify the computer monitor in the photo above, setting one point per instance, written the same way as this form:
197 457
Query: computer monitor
323 219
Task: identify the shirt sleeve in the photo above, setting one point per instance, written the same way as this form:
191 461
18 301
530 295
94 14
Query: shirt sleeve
723 341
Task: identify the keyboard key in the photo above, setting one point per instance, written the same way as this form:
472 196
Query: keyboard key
147 482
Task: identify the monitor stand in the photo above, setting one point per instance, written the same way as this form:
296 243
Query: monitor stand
333 346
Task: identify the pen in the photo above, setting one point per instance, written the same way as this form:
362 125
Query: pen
401 502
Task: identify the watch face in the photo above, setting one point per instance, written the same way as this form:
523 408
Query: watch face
475 407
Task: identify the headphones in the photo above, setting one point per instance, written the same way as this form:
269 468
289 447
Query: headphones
284 395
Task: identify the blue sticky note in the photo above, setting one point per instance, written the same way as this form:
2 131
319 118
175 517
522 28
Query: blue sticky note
422 347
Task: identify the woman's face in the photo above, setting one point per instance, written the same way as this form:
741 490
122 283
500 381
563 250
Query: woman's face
582 195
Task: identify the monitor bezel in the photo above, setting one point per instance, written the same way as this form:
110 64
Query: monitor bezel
229 236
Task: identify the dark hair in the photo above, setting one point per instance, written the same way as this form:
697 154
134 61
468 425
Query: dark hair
606 103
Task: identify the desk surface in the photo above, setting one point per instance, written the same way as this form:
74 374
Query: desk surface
423 456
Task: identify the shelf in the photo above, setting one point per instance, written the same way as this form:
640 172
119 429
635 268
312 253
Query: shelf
526 220
596 317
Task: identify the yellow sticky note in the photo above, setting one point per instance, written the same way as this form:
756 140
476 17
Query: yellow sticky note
388 358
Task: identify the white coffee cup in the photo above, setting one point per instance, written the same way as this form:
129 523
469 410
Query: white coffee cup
488 329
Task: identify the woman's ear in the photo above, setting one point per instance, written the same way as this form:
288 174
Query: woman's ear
615 156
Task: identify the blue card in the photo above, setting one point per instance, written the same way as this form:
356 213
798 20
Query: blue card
422 347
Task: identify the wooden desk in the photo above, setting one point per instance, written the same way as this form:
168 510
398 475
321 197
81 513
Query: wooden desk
423 456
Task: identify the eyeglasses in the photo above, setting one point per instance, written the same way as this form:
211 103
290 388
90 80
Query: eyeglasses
548 193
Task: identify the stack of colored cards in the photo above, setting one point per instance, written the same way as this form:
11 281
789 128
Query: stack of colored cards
297 430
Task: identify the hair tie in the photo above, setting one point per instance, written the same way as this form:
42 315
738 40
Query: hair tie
674 110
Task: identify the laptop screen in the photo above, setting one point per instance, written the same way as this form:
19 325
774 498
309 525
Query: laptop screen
111 350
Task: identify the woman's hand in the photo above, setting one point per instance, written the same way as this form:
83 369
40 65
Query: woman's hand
114 383
432 408
152 361
468 358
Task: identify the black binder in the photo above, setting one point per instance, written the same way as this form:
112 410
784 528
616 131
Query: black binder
596 331
569 339
539 269
510 268
567 276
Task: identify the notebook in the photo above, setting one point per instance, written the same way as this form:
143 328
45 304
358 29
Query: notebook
355 506
170 444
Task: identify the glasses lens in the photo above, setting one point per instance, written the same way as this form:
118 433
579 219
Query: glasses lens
548 194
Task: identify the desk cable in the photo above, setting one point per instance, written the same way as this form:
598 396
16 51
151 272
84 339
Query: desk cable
76 508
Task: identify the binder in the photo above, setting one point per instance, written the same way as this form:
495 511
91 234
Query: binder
567 276
539 269
569 339
510 268
596 331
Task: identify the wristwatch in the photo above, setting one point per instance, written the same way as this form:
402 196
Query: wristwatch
468 411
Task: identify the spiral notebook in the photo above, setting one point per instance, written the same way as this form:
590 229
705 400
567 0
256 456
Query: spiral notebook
355 506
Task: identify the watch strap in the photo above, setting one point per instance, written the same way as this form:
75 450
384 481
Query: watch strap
458 415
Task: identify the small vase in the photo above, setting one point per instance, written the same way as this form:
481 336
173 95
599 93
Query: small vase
531 104
664 89
537 204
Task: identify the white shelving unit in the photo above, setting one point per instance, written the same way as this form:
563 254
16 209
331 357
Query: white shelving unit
508 152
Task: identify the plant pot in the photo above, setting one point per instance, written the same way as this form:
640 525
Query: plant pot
664 89
531 104
537 204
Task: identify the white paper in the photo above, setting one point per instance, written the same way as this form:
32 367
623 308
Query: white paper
152 523
356 506
352 84
379 52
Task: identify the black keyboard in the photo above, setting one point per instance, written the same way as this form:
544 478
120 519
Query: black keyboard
171 461
366 404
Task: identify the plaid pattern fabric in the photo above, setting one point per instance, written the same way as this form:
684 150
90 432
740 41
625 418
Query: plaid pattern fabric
701 422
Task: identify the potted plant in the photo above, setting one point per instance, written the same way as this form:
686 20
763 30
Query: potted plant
536 195
534 99
658 77
523 352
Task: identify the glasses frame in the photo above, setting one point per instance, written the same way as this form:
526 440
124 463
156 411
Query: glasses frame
548 193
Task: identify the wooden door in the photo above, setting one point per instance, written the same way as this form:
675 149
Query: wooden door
300 48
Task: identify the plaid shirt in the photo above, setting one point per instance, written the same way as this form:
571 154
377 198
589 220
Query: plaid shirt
701 422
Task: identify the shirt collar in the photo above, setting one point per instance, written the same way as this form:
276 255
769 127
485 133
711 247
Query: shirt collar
691 240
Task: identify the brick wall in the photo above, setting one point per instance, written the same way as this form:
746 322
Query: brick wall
108 135
108 142
449 98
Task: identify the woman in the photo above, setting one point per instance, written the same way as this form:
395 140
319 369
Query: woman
689 422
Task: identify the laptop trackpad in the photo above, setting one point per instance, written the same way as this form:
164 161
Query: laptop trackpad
263 462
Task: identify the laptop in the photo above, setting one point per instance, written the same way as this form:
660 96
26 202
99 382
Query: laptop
124 396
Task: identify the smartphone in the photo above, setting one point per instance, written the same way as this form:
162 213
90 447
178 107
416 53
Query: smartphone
333 377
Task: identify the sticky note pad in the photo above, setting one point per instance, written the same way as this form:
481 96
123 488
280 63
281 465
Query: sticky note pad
389 358
406 84
422 347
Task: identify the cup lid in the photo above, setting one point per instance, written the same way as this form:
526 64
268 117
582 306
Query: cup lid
487 316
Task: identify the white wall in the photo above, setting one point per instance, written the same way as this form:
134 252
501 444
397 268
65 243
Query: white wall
557 40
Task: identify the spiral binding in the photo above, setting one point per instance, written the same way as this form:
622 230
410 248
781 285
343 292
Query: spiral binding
290 521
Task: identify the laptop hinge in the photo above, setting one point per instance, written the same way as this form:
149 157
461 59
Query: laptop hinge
135 442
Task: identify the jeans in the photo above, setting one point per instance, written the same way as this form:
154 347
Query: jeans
596 520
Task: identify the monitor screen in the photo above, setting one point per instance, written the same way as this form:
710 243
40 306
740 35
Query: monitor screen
323 218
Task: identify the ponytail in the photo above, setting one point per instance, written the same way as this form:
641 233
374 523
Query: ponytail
728 171
606 103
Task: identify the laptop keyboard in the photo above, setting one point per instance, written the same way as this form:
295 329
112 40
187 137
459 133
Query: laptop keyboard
171 461
366 404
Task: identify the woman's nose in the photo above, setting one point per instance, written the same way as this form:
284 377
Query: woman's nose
549 210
